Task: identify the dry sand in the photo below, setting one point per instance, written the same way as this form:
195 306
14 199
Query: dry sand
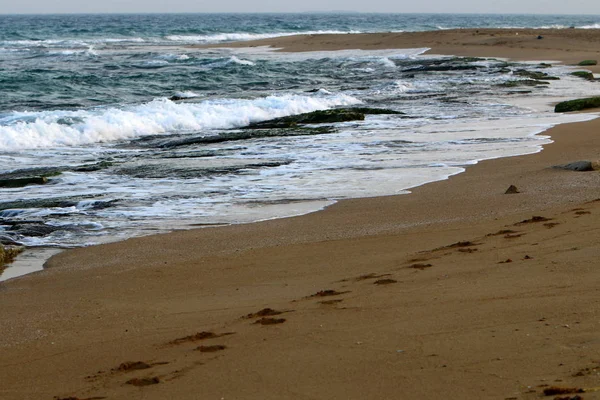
376 302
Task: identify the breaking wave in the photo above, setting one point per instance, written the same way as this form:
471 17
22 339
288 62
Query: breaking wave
22 130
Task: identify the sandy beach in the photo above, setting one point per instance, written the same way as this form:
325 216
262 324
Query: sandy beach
456 290
569 46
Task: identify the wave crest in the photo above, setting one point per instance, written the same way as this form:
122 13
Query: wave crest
159 117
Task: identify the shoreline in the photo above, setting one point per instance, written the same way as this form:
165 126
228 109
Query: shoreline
457 39
467 321
569 46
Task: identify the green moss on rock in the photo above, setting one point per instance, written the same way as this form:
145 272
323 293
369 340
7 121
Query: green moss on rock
523 82
578 104
8 254
537 75
587 63
583 74
320 117
21 182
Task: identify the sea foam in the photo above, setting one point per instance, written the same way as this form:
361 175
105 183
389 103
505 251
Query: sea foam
22 130
242 36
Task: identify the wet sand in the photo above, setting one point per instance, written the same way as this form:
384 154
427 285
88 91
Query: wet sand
457 290
569 46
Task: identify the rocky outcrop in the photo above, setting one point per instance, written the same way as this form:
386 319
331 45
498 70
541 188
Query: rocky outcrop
578 104
512 189
320 117
586 63
523 82
21 182
584 74
537 75
243 135
580 166
42 175
8 253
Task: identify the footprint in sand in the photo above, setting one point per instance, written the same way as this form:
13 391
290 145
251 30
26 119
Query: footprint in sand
580 213
327 293
365 277
199 336
384 281
513 235
556 390
132 366
331 302
210 349
144 381
265 312
420 267
270 321
534 219
502 232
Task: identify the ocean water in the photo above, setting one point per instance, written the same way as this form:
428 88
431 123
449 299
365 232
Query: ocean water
86 101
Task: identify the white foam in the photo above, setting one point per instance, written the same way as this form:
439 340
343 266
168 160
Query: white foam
21 130
239 37
75 52
402 87
236 60
70 43
555 26
187 94
592 26
174 57
231 60
153 64
387 62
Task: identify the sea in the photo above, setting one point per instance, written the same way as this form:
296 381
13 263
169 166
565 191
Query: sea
138 132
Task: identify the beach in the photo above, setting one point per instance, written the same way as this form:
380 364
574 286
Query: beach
456 290
569 46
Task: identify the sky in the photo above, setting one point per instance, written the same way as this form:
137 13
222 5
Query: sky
397 6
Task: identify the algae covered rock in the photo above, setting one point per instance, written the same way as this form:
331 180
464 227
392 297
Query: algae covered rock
523 82
320 117
315 117
376 111
578 104
537 75
584 74
8 253
247 134
21 182
587 63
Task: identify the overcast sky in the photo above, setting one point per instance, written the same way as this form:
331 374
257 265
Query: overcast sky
398 6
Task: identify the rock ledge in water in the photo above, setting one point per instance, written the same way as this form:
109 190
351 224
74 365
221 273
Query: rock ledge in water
21 182
578 104
584 74
321 117
8 253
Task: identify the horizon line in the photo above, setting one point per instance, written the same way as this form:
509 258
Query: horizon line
281 12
